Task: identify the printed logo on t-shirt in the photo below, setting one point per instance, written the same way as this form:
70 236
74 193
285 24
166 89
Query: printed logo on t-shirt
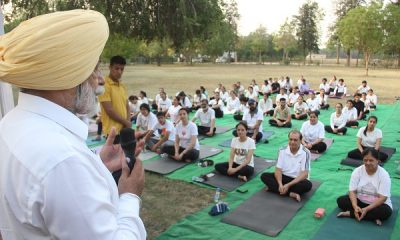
241 152
367 193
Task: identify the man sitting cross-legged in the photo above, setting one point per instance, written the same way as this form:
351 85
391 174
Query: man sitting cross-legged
292 168
206 116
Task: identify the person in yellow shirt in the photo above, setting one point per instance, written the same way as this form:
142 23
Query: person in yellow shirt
114 102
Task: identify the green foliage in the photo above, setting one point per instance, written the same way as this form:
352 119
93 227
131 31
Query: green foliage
307 27
123 46
391 23
285 40
362 29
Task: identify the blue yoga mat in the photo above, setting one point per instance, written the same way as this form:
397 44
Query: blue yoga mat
349 229
266 135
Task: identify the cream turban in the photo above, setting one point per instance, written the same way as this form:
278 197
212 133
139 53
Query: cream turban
55 51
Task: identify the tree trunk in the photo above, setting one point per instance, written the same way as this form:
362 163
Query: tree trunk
398 59
358 56
283 55
158 60
259 57
337 52
366 57
348 57
310 58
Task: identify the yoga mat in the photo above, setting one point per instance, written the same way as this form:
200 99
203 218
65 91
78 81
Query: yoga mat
218 130
267 213
231 183
328 141
167 165
91 144
266 135
356 163
145 155
350 229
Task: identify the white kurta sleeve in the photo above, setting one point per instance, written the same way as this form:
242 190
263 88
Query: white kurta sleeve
80 203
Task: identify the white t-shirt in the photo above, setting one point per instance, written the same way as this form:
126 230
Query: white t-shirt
219 103
293 97
174 113
144 100
341 89
292 165
265 106
256 88
300 108
320 99
324 86
339 122
224 96
145 123
134 108
368 187
279 96
253 95
197 99
160 130
351 114
311 133
185 134
252 120
370 139
186 103
313 104
205 117
372 99
266 88
233 104
164 104
241 150
362 89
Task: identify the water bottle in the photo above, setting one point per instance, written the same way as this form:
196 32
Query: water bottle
216 196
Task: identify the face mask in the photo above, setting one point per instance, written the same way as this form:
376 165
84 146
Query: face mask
99 90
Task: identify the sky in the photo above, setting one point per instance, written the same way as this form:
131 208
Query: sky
273 13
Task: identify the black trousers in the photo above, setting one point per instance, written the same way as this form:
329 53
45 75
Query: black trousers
357 155
273 186
319 147
381 212
352 124
99 128
218 113
249 134
192 154
324 106
270 112
238 117
245 171
202 130
272 122
340 130
301 117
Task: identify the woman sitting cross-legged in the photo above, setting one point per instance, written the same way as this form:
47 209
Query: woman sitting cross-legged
241 160
369 191
186 147
338 121
300 109
368 137
313 134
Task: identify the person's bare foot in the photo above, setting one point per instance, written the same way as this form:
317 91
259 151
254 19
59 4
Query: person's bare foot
378 222
188 160
295 196
243 178
339 133
343 214
266 189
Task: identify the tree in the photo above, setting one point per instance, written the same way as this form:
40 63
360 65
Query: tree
342 8
307 27
285 39
259 41
391 25
361 29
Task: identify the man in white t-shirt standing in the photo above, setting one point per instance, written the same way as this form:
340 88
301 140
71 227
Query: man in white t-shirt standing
162 133
206 116
292 169
254 118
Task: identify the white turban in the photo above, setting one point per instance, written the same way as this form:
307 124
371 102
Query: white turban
54 51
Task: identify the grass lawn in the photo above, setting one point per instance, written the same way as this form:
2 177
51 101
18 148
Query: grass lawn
166 201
